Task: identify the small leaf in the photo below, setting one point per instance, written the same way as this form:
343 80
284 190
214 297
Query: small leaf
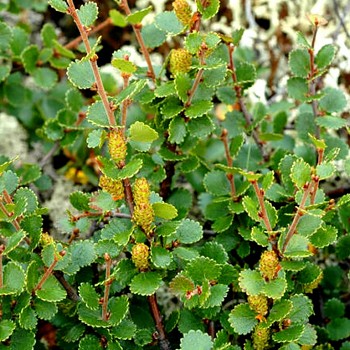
80 200
88 13
95 138
297 247
124 65
168 22
297 88
189 231
290 334
51 290
6 329
153 36
80 74
160 257
325 56
333 101
301 310
44 309
339 328
22 339
208 9
145 283
308 224
300 173
200 127
301 40
96 114
59 5
203 269
126 329
177 130
164 210
181 284
45 78
27 318
251 282
196 340
237 36
276 288
216 183
299 62
131 169
13 279
243 319
325 170
198 108
331 122
334 308
89 296
279 311
246 73
117 18
141 132
138 16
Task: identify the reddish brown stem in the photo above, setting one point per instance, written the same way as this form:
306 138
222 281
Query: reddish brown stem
164 343
74 43
105 314
298 215
93 61
126 103
128 195
263 213
229 160
2 248
137 30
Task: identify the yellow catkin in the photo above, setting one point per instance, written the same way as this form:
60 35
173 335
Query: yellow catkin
258 303
180 61
141 191
261 337
183 11
140 255
117 145
269 264
114 187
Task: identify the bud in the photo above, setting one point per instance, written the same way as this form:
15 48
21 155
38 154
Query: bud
183 11
139 256
258 303
117 145
269 264
114 187
180 61
261 337
143 216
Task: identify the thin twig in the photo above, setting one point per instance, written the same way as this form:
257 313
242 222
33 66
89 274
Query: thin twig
229 160
137 30
105 314
263 213
93 61
341 19
71 293
2 248
164 343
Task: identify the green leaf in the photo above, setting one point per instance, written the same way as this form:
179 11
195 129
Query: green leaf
138 16
59 5
161 257
301 310
80 74
80 200
299 62
166 89
44 309
131 169
153 36
95 138
258 236
245 72
13 241
276 288
88 13
22 339
251 282
181 284
208 9
51 290
325 170
200 127
202 269
196 340
308 224
124 65
117 18
90 342
215 75
218 293
141 132
216 183
45 78
96 114
198 108
27 318
297 88
330 122
6 329
339 328
164 210
300 173
168 22
130 91
126 329
334 308
279 311
324 236
343 247
297 247
89 296
290 334
29 57
237 36
145 283
82 254
302 41
333 100
13 279
5 36
215 251
243 319
177 130
324 56
189 231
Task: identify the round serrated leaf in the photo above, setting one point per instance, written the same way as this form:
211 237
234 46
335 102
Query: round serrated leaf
217 295
196 340
189 231
331 122
339 328
279 311
161 257
325 56
153 36
302 308
300 173
89 296
141 132
216 183
324 236
164 210
80 200
82 254
325 170
299 62
5 36
242 319
44 309
131 169
80 74
168 22
95 138
215 251
297 88
145 283
22 339
27 318
96 114
251 282
59 5
208 9
177 130
13 279
334 308
51 290
124 330
6 329
88 13
200 127
198 108
203 269
45 78
276 288
290 334
137 16
13 241
297 247
333 101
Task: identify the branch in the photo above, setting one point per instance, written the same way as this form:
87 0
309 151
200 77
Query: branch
93 61
263 213
230 177
71 293
105 314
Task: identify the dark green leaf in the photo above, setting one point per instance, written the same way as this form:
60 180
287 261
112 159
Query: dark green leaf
325 56
169 23
299 62
196 340
145 283
243 319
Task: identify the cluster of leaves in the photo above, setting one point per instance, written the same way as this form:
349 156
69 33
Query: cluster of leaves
191 191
